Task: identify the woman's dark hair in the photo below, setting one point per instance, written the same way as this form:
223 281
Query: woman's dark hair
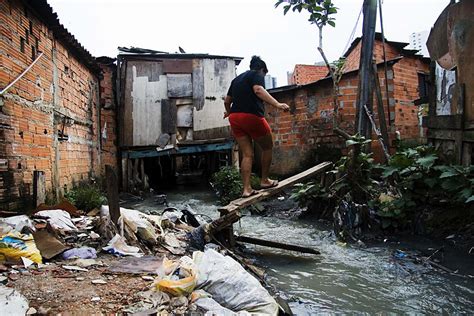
257 64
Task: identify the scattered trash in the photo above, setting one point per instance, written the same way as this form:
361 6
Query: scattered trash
48 245
95 299
27 262
94 235
86 263
58 219
64 205
16 223
15 245
204 300
177 277
12 302
118 246
133 265
99 281
281 198
398 254
80 253
80 278
230 285
148 278
31 311
74 268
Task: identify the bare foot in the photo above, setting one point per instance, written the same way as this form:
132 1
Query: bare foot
269 183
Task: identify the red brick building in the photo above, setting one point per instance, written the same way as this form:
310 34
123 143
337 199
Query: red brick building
57 122
305 135
303 74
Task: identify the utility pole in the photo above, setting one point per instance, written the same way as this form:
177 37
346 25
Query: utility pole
365 67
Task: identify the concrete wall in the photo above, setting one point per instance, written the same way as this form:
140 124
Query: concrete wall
59 96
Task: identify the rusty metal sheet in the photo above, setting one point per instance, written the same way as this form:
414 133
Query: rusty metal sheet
178 66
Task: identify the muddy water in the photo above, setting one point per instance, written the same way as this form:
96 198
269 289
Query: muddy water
342 279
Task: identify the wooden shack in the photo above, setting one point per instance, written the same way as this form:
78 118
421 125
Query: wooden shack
171 113
450 120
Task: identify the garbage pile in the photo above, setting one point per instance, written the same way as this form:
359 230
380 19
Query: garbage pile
147 258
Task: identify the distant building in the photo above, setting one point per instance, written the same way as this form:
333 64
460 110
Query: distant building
270 82
303 74
418 42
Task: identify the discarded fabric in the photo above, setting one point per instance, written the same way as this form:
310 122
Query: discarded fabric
58 219
80 253
118 246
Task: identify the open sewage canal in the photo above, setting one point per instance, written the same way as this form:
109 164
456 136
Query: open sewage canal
343 279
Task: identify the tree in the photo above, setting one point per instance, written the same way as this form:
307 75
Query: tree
320 12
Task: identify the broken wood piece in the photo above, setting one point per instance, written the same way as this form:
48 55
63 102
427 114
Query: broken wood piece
274 244
112 194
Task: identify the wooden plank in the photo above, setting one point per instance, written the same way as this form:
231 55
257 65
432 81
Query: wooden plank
263 194
274 244
168 116
177 66
179 85
112 194
39 187
198 85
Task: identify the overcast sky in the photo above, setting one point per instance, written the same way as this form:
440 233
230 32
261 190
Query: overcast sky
229 27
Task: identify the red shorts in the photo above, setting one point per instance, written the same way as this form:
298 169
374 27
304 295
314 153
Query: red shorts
246 124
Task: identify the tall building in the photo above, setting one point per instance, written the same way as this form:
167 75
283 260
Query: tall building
270 82
418 41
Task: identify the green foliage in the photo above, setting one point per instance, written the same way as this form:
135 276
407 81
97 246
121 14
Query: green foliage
356 170
306 193
228 184
422 181
320 11
86 197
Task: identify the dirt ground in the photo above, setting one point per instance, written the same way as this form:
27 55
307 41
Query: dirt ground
57 290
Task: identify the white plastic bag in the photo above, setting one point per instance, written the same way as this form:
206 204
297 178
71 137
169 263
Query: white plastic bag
231 286
58 219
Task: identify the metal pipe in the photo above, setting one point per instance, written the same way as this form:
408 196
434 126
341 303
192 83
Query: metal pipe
22 74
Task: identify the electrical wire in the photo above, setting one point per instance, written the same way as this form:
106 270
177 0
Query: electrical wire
385 62
351 37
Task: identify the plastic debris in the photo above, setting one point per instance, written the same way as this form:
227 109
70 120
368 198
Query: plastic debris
27 262
58 219
99 281
12 302
95 299
230 285
80 253
118 246
15 245
75 268
204 300
177 277
16 223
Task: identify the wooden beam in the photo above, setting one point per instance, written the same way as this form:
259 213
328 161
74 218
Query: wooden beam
112 194
274 244
263 194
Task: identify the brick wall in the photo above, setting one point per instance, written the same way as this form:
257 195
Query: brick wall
304 136
59 96
303 74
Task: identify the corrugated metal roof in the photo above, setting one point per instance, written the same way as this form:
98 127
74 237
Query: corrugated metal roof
44 12
145 52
